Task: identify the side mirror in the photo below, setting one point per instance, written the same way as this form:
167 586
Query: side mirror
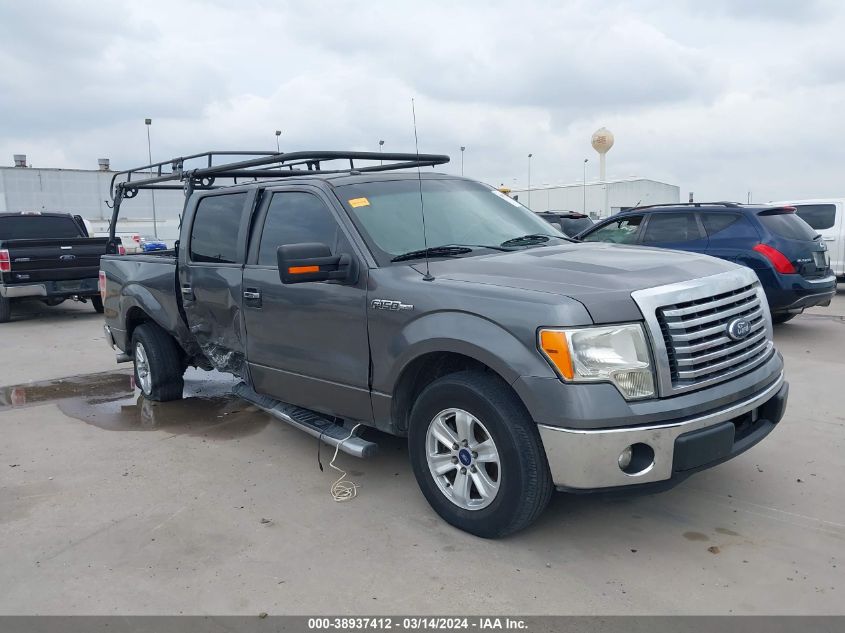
312 261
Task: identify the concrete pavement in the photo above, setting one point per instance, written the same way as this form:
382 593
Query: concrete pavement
208 506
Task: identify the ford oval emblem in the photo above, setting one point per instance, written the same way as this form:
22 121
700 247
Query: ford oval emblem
738 329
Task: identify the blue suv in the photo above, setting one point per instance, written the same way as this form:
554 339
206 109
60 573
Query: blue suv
788 256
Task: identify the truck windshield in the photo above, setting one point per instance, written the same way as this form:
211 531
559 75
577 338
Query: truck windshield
27 227
457 212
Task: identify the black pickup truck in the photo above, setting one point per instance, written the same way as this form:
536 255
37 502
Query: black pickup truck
50 257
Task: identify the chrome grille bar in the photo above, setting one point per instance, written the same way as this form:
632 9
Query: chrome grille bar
716 316
702 307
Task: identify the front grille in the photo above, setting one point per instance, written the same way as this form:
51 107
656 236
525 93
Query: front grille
697 343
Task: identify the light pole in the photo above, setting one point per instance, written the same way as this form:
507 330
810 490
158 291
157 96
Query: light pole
463 147
380 145
529 180
278 134
148 123
585 186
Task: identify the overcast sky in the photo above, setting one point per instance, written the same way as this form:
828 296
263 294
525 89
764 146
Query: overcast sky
719 97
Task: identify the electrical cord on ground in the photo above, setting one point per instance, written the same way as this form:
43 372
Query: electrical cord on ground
342 490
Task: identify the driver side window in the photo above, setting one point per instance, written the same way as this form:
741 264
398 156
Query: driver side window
621 231
295 217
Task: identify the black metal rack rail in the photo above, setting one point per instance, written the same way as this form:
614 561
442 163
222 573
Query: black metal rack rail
199 171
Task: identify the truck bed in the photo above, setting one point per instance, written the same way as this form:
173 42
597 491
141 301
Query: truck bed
148 280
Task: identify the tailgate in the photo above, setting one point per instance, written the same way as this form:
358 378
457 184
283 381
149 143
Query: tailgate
57 259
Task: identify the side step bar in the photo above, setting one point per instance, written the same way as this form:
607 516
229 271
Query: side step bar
306 420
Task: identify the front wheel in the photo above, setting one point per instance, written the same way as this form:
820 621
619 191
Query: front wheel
158 365
477 455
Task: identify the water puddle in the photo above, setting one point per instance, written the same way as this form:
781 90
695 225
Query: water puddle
111 401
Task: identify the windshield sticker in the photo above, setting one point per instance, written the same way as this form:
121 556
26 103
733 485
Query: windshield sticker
359 202
505 196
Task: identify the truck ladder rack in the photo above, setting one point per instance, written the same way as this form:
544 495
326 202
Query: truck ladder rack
205 171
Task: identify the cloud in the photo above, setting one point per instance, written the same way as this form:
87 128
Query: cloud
719 98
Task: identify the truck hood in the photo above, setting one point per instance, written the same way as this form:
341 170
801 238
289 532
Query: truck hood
599 275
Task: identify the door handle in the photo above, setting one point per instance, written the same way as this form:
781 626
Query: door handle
252 297
187 293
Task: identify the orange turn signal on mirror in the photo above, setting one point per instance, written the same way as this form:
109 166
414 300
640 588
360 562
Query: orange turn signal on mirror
300 270
555 346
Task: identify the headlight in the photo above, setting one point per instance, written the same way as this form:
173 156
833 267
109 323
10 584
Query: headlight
615 353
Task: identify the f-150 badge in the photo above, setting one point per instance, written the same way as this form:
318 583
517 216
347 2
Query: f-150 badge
389 304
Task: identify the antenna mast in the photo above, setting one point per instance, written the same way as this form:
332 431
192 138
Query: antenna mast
427 276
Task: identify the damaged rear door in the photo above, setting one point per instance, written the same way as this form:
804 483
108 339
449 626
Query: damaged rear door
211 274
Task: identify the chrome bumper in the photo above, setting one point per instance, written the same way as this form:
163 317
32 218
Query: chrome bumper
31 290
588 459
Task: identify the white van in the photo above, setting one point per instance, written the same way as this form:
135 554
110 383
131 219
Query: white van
825 216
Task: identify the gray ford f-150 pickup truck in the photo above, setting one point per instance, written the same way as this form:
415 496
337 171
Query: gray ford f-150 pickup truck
425 305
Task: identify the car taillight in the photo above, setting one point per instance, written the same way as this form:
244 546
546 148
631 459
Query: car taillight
102 285
5 262
121 249
778 259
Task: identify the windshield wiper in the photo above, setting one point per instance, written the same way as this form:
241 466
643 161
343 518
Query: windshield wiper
528 240
447 250
434 251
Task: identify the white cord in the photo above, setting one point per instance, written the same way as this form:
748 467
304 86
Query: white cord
343 490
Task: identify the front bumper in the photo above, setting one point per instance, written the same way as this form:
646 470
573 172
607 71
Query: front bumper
587 459
70 288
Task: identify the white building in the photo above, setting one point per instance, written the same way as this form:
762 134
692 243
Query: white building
598 199
86 192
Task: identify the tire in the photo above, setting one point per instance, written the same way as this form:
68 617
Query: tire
5 310
783 317
97 304
521 477
158 364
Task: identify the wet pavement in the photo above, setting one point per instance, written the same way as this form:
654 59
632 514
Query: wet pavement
111 401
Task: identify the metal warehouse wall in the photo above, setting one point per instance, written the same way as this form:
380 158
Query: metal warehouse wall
620 194
85 192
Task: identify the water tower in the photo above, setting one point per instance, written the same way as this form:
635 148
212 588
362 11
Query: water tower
602 141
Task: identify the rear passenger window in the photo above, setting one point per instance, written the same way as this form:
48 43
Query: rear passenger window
294 218
214 234
715 222
819 216
671 227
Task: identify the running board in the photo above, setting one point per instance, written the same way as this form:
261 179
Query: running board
306 420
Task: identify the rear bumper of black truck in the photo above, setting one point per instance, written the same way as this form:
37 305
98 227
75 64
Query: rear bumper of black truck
51 289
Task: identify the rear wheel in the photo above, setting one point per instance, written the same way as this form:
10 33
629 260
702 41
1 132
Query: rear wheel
477 455
5 310
783 317
97 303
158 363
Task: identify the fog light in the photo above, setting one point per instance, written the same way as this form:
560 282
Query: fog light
637 459
625 458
